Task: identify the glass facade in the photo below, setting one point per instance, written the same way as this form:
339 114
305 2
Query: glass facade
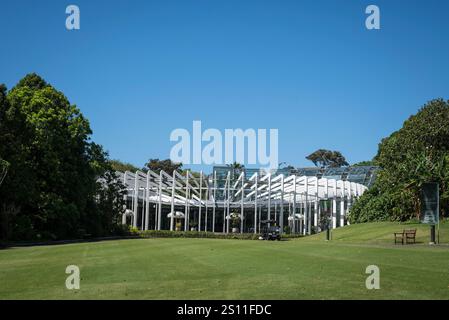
365 175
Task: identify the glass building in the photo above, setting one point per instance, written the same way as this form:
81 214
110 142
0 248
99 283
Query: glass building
297 200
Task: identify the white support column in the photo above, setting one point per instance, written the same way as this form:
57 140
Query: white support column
309 227
224 206
159 212
200 205
294 207
281 213
334 212
315 207
215 203
350 196
147 203
186 205
342 212
306 215
326 196
207 208
242 210
306 207
255 203
143 209
269 196
136 199
349 203
224 211
228 221
319 215
156 210
172 218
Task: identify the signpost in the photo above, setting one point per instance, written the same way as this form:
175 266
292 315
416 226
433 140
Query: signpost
430 205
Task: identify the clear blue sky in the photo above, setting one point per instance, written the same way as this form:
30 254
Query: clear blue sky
139 69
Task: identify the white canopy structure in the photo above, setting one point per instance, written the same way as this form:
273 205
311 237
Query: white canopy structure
297 203
177 215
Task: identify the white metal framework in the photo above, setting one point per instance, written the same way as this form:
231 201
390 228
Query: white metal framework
186 201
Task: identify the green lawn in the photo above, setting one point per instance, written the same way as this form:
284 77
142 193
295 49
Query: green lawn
306 268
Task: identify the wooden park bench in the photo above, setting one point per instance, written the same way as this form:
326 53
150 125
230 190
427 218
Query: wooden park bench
405 236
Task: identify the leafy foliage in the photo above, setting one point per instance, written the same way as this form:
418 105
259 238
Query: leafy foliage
236 169
4 165
202 234
326 158
118 165
157 165
52 189
416 154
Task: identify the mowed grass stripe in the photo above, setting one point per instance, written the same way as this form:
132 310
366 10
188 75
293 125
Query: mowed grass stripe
306 268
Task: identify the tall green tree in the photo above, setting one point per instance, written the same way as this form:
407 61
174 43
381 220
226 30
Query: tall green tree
51 188
4 165
415 154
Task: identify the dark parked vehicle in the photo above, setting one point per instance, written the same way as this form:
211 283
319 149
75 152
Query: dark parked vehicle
270 231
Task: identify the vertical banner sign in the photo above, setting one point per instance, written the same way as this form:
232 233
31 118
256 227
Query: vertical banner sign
430 203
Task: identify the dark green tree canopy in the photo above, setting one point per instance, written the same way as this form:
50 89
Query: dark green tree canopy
166 165
415 154
4 165
32 81
326 158
121 166
51 187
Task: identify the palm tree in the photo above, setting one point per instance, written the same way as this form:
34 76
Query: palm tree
236 169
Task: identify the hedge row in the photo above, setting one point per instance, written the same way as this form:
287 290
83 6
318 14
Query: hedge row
202 234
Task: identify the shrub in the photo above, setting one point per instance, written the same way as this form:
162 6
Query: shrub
203 234
133 231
